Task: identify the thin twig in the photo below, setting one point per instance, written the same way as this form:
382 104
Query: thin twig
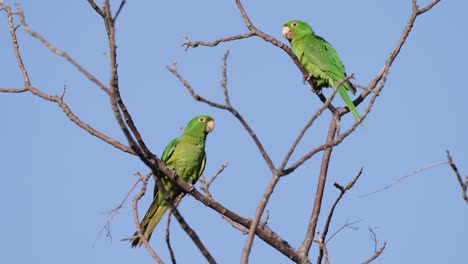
188 44
343 190
463 184
168 240
309 124
59 52
141 236
311 229
56 99
323 248
227 107
13 90
112 213
258 214
405 176
122 3
376 254
205 186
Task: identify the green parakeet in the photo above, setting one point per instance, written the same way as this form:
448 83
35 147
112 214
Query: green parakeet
185 155
319 58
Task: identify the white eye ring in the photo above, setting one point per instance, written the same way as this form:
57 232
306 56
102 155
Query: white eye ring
293 24
201 119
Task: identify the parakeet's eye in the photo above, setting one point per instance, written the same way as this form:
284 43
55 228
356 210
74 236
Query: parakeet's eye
201 119
293 24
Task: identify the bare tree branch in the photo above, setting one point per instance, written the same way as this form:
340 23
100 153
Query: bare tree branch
308 125
227 106
59 52
56 99
168 240
323 248
13 90
309 237
112 213
343 190
376 254
140 235
406 176
463 184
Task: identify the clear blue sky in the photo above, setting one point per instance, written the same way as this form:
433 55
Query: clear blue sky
58 181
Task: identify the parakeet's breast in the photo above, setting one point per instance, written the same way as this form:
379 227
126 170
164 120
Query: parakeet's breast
186 160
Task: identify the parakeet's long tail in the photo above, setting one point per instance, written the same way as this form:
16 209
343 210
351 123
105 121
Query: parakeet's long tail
149 222
349 102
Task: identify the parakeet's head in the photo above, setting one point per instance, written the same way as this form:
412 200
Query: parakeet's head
296 28
201 124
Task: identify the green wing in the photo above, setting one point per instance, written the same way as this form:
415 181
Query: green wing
322 62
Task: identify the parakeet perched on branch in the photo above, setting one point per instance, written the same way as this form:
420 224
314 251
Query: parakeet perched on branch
319 58
185 155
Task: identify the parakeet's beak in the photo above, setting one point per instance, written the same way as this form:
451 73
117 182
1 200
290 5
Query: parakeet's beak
287 33
209 126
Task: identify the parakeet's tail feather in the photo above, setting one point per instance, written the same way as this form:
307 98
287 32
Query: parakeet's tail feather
349 102
149 222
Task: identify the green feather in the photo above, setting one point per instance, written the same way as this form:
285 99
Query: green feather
320 59
185 155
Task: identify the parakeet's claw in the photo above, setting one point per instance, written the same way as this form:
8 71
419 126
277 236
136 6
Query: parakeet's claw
192 189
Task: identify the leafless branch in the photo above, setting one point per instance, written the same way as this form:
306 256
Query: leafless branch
59 52
258 214
323 248
13 90
307 126
227 106
406 176
122 3
188 44
168 240
376 254
311 229
112 213
205 187
141 236
343 190
463 184
56 99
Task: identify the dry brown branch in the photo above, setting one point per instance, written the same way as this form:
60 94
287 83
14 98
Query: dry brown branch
141 236
376 254
275 178
168 240
311 229
343 190
56 99
348 225
13 90
307 126
59 52
205 186
463 184
227 106
258 214
112 213
323 248
406 176
188 44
